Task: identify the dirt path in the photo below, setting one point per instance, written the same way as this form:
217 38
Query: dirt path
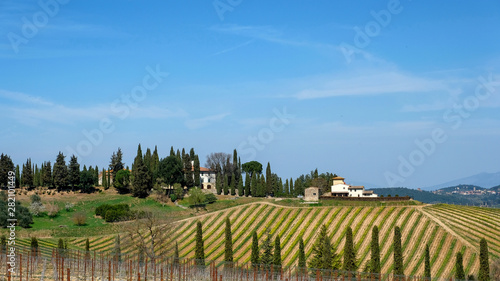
447 228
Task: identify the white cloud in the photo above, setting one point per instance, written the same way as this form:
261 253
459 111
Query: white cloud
204 121
370 83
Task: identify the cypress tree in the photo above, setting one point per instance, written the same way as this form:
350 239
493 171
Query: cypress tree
196 167
253 186
199 254
241 189
141 180
226 185
459 267
349 252
60 247
27 174
375 252
116 163
398 252
277 252
323 252
427 266
218 184
247 184
104 179
172 152
261 186
228 253
484 264
87 249
73 172
254 258
286 189
117 252
96 176
34 246
233 185
269 180
47 174
188 174
302 254
266 259
292 189
176 253
60 172
108 179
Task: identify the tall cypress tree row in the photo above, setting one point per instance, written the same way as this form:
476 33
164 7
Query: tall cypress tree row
302 254
427 263
228 253
199 254
484 264
277 253
375 252
349 252
254 258
398 252
459 267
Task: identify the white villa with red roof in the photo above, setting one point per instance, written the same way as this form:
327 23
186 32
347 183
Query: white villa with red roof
207 178
341 189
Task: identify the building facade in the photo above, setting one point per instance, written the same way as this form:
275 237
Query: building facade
340 189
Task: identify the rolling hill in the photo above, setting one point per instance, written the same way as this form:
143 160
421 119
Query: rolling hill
446 228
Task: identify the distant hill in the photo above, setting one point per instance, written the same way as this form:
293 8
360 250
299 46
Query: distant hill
462 187
486 180
428 197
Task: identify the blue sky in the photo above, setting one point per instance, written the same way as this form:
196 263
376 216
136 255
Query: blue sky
393 93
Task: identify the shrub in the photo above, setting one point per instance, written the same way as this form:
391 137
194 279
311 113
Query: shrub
35 198
112 213
101 210
52 209
36 208
210 198
173 197
80 218
68 206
